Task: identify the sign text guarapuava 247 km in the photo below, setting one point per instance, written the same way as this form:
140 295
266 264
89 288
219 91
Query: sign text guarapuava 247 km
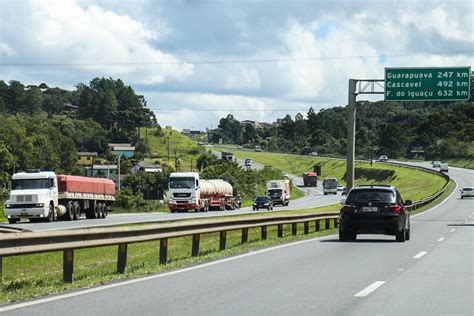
427 84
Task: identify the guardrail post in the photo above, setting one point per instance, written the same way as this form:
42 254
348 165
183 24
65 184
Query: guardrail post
327 220
195 249
294 229
1 275
306 228
122 258
245 235
336 222
163 250
280 230
264 232
317 225
223 239
68 265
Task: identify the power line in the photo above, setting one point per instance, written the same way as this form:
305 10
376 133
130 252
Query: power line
231 110
230 61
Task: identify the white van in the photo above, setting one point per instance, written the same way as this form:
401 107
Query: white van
444 167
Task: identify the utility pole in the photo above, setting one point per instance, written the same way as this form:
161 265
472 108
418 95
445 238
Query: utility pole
191 164
168 137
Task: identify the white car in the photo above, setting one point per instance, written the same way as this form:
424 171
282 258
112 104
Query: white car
285 174
383 158
340 187
467 192
436 164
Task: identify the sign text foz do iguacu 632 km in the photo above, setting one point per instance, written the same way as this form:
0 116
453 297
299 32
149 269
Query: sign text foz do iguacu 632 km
427 84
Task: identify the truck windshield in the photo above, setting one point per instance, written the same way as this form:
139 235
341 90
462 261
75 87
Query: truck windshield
30 184
329 184
274 192
181 183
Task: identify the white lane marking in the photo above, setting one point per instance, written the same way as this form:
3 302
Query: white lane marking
370 289
441 239
399 269
157 276
452 230
436 206
420 254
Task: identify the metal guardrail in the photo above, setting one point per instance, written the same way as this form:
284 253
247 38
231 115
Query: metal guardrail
14 244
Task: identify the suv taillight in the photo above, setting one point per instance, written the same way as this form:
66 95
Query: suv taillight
347 208
393 208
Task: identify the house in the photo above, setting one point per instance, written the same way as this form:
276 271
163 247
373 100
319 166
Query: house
104 171
86 158
146 167
126 150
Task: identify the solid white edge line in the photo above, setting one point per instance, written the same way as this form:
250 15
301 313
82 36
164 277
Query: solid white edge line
370 289
441 239
157 276
420 254
442 202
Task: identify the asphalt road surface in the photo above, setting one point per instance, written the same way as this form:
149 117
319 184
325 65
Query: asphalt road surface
432 274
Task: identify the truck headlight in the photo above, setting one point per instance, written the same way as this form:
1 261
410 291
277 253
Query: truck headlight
39 204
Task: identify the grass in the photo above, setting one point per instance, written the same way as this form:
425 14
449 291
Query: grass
412 184
461 163
186 148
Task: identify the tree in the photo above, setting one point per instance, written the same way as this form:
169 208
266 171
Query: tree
249 133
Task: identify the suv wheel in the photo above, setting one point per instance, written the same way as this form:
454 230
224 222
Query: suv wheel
401 236
407 234
347 236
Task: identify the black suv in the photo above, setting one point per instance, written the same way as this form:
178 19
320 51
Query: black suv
263 202
374 209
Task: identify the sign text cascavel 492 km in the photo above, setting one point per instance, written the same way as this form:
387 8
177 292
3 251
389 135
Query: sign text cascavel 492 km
427 84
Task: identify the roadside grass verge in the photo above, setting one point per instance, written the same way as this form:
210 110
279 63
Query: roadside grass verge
31 276
461 163
412 184
439 199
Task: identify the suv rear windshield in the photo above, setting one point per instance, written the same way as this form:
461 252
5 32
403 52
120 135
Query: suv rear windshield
371 195
467 189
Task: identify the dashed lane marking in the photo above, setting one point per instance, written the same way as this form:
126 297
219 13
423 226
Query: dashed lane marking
420 254
370 289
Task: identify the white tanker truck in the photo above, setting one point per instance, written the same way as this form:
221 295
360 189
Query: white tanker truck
188 192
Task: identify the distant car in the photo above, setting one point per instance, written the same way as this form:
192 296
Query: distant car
240 147
313 153
340 187
238 201
248 162
263 202
467 192
436 164
444 167
285 174
383 158
376 209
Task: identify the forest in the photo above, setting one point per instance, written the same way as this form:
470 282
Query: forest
432 130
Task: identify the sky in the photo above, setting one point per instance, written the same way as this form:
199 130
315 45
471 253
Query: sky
197 61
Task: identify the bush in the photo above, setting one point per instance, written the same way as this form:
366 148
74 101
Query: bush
129 202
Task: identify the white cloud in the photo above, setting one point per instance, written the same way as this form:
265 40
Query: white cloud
7 50
95 40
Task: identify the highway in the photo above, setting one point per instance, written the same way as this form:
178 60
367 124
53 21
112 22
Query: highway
432 274
313 198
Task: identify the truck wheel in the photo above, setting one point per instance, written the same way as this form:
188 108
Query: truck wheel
95 211
104 211
69 216
77 211
12 220
100 210
50 217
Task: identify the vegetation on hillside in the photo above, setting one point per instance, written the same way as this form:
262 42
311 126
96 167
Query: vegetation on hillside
443 130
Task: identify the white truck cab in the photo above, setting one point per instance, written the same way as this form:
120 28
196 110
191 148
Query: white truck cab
32 195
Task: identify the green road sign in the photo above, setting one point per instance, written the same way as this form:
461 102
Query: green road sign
427 84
